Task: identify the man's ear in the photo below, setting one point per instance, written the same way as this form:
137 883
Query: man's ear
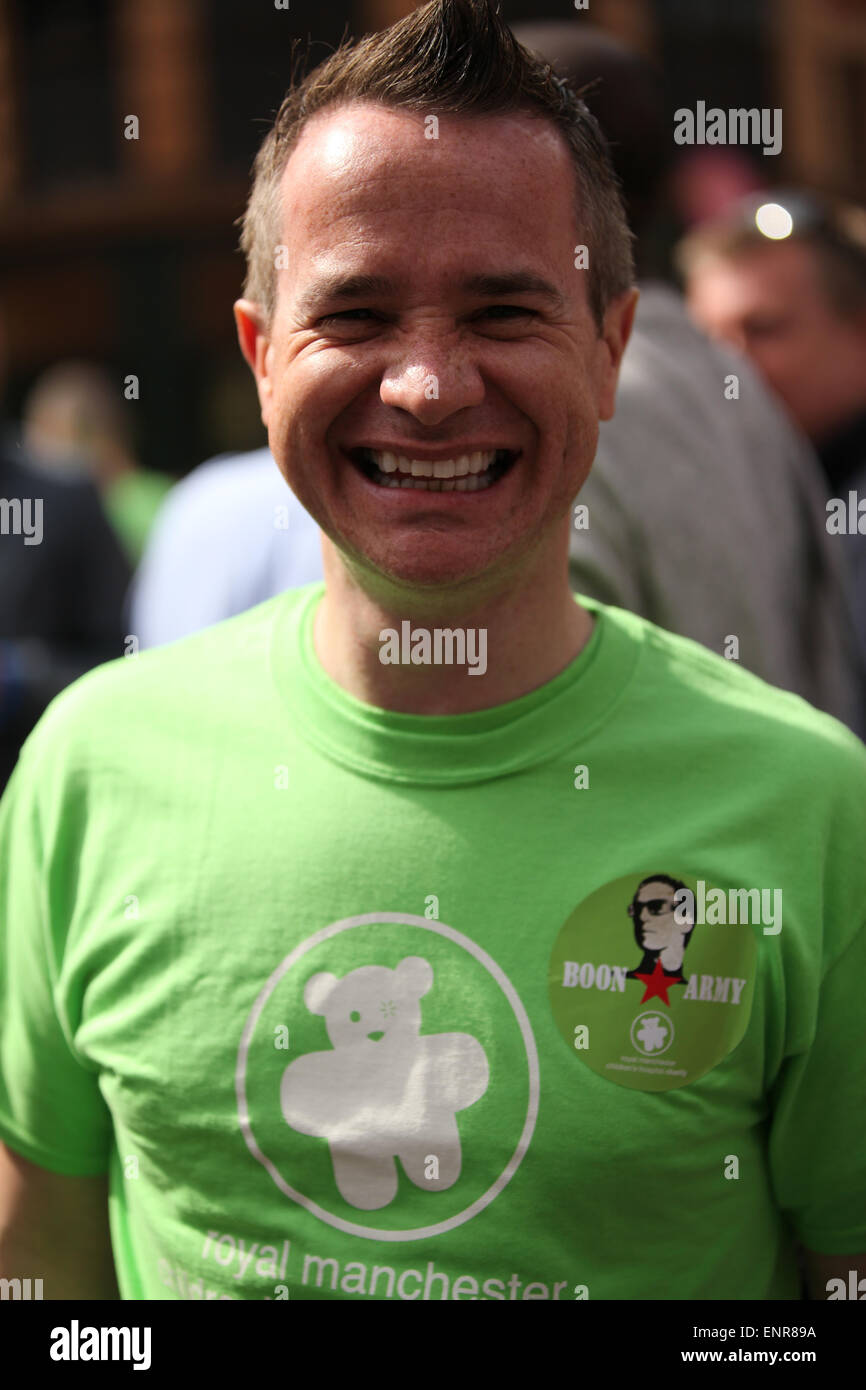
255 344
616 331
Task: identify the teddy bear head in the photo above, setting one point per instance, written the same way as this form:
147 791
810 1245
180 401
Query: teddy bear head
371 1003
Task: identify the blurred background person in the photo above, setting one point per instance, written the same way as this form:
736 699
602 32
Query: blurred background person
63 582
231 535
782 277
705 509
75 424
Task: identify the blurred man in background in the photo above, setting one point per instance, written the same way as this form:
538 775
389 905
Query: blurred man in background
793 298
704 509
74 425
783 279
63 581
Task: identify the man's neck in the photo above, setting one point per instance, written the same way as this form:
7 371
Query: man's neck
515 641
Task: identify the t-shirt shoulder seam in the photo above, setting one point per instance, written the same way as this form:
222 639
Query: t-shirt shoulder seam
729 676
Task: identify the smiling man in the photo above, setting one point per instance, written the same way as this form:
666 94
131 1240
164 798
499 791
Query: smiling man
317 962
432 368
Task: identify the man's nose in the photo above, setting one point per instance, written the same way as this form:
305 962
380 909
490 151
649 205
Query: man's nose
431 381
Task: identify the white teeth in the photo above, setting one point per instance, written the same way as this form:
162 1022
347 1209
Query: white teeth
460 467
468 473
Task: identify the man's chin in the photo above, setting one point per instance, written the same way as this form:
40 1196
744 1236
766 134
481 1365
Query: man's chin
432 566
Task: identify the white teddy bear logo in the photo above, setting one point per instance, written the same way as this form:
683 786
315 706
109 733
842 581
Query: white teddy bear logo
384 1091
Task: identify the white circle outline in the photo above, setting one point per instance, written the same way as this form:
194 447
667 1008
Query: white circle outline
654 1013
367 919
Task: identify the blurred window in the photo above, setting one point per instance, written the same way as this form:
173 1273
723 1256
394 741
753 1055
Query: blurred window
250 65
717 51
64 71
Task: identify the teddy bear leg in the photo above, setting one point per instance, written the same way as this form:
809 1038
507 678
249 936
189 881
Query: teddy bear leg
434 1163
365 1180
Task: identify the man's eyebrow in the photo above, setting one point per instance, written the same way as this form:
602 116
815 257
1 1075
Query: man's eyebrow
335 289
514 282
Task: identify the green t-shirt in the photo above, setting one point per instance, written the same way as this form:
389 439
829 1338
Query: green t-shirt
350 1004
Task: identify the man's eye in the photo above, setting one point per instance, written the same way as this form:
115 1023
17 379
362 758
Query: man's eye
497 311
346 314
507 310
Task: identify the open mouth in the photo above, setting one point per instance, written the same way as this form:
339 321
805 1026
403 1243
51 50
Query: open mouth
466 473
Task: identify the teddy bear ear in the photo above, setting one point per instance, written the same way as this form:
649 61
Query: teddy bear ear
317 990
416 974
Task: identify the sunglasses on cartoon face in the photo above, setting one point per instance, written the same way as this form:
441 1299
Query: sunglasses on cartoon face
656 907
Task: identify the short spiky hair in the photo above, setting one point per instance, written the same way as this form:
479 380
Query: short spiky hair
449 58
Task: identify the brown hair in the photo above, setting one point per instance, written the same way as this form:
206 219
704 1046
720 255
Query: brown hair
450 57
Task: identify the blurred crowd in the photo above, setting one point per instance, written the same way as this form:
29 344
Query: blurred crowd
724 503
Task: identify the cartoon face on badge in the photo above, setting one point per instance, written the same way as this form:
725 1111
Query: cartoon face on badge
662 928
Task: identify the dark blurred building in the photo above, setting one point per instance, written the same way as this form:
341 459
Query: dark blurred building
124 250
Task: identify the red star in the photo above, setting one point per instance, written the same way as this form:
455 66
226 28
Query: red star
658 984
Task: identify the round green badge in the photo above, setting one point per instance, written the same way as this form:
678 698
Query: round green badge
652 977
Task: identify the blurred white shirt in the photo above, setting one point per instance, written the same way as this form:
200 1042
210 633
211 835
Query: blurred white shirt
227 537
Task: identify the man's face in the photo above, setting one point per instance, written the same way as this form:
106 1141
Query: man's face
654 915
770 303
426 357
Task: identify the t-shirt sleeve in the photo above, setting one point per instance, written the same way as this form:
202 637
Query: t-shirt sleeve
51 1108
818 1131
